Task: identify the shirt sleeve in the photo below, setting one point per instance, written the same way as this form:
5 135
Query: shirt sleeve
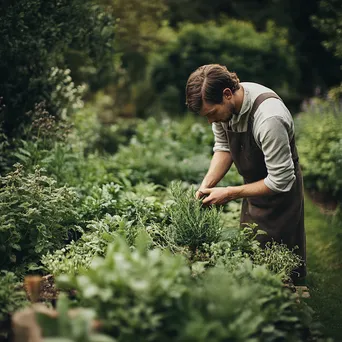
221 140
274 140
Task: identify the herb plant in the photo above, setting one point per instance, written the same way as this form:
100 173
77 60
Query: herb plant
192 224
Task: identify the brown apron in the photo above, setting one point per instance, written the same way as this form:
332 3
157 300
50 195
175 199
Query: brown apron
281 215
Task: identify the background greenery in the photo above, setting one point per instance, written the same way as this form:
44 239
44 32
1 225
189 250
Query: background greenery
94 130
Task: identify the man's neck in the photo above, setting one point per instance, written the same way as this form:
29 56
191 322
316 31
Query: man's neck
239 96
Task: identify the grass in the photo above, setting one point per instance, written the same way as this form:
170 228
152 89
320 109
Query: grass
324 261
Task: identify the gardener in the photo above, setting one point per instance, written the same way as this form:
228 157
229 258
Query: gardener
254 129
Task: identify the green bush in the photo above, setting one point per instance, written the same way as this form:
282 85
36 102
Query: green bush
35 216
149 295
241 244
12 295
79 254
320 146
140 295
248 303
111 212
38 35
264 57
165 150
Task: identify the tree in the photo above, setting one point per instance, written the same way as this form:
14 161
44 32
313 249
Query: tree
329 21
38 35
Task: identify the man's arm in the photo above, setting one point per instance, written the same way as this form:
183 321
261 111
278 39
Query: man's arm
222 195
219 166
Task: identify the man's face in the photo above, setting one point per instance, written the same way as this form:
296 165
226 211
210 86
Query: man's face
221 112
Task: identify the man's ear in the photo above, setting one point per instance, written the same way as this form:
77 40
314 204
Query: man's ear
227 93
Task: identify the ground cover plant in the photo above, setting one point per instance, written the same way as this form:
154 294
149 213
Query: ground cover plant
226 307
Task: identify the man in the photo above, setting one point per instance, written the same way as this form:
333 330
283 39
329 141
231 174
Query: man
254 130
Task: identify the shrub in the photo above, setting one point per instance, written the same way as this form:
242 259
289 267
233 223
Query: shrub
149 295
320 146
79 254
233 43
241 244
162 151
35 216
248 303
112 212
38 35
12 297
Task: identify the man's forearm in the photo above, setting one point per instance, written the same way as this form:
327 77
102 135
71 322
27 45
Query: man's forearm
222 195
219 166
250 190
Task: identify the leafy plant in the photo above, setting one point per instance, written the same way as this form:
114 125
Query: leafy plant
79 254
248 303
241 244
68 328
184 153
12 296
139 294
278 258
149 295
319 145
191 223
35 216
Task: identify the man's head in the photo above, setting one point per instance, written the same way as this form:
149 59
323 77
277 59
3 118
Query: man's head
210 92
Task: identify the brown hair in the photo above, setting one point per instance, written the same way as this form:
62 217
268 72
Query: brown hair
208 83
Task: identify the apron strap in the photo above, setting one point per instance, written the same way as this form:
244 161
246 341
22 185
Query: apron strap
260 99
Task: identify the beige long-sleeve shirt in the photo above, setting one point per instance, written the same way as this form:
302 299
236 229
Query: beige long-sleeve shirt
273 129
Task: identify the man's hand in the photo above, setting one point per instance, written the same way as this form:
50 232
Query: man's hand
217 195
199 194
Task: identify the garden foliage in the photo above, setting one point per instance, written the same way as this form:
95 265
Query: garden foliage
249 303
320 146
192 224
148 295
151 264
236 44
140 294
39 35
12 296
36 216
68 328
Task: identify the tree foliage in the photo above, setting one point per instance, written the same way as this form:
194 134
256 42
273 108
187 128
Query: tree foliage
329 21
38 35
264 57
318 66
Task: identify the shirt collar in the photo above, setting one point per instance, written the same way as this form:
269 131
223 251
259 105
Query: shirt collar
245 107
